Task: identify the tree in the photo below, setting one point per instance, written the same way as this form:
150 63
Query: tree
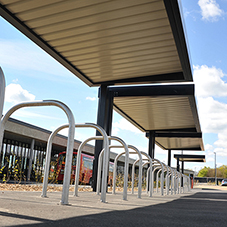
203 172
208 172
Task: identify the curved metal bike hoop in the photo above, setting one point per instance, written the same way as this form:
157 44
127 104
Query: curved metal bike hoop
140 169
77 175
124 146
133 173
162 175
70 142
2 90
126 164
106 142
151 166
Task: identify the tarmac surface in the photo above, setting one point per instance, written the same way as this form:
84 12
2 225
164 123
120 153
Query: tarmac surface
203 206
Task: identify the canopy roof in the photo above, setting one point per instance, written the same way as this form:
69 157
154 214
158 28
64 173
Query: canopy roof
112 42
118 42
166 109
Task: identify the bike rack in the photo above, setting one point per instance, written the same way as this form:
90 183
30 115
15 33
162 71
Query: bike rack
147 175
133 173
162 175
157 178
103 164
78 162
159 168
150 178
140 170
171 174
70 142
105 160
166 169
48 154
114 172
2 90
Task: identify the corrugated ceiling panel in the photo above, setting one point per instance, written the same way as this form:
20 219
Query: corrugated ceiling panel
179 143
93 34
158 113
113 40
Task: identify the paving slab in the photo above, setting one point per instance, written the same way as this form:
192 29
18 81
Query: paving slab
195 208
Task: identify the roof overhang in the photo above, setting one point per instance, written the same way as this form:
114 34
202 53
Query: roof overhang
190 158
107 42
169 110
191 141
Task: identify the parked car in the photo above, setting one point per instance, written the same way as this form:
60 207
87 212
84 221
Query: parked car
224 182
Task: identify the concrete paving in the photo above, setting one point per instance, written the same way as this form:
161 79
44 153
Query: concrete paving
200 207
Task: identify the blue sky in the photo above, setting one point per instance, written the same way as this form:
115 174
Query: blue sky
31 74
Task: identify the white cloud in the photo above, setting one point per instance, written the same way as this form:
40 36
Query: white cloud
123 124
212 115
220 151
91 98
210 10
209 147
210 159
208 81
15 94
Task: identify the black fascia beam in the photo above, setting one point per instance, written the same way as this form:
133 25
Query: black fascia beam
191 158
185 148
179 134
175 19
153 90
182 131
7 15
198 160
177 130
160 78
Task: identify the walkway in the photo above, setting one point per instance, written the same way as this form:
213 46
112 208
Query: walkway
198 208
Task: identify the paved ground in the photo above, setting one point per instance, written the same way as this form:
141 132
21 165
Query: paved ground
204 206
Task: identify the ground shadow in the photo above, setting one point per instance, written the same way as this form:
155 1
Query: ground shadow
200 209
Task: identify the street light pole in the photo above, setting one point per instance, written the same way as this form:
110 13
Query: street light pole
215 169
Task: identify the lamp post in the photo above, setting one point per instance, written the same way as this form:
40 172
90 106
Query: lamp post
215 168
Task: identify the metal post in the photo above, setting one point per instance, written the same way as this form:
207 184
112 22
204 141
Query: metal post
169 158
182 171
104 119
151 144
215 167
178 165
31 159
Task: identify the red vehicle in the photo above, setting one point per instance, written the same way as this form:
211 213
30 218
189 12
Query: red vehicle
86 167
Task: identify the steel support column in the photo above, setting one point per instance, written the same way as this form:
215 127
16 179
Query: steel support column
31 159
178 165
182 171
151 146
104 119
169 158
